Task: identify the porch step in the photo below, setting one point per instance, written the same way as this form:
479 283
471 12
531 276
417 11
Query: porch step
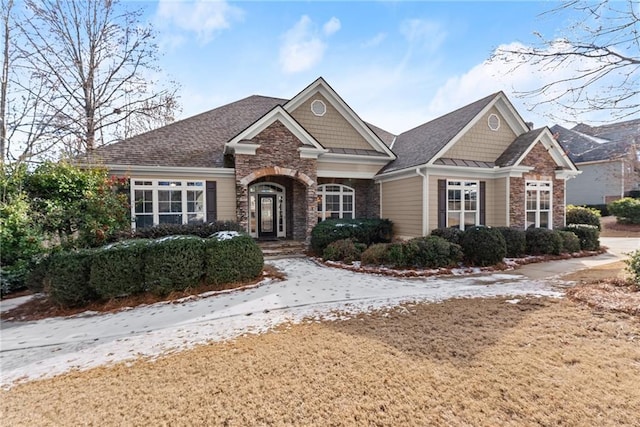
282 248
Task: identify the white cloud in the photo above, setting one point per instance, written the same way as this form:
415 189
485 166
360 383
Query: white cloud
426 34
303 46
202 17
331 26
375 40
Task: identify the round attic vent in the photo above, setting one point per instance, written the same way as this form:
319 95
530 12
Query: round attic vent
494 122
318 108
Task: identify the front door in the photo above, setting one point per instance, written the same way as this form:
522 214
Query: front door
267 216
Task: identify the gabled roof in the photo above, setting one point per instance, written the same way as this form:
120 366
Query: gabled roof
596 146
512 155
418 146
197 141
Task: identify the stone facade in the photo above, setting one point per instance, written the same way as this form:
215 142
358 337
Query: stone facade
367 195
545 170
278 160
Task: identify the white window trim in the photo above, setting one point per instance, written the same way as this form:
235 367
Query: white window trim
344 190
155 187
538 186
462 210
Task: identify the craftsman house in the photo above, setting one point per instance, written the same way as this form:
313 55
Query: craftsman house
278 166
607 156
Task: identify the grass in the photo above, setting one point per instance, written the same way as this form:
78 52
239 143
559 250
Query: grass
460 362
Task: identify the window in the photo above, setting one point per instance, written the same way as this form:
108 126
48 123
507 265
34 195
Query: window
166 202
462 204
538 204
335 201
494 122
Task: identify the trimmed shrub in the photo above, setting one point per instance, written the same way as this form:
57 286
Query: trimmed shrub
38 273
346 250
588 235
396 255
232 257
367 231
433 252
118 269
583 215
633 267
375 254
173 263
68 278
196 229
483 246
542 241
602 208
626 210
516 241
570 242
451 234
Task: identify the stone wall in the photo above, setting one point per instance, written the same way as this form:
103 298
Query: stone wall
545 168
367 195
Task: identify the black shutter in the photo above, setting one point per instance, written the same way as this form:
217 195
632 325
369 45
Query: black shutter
442 203
483 203
212 204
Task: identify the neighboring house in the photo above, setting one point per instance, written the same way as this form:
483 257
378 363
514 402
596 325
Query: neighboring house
278 166
608 158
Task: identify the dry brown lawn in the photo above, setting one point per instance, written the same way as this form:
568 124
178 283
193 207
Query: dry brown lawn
457 363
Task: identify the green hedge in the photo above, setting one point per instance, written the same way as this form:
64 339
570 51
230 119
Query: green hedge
542 241
68 278
367 231
516 241
118 269
570 241
588 235
433 252
483 246
232 257
583 215
346 250
451 234
375 254
174 263
196 229
633 267
626 210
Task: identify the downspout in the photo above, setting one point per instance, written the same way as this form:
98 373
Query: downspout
425 193
622 180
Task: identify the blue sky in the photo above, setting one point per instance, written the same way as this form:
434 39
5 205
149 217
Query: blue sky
397 64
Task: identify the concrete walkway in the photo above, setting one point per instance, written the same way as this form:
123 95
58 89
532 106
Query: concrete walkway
53 346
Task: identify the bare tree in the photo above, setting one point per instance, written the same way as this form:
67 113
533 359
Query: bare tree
602 47
96 61
7 6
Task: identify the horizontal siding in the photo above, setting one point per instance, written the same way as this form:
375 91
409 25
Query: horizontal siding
331 129
402 203
499 201
481 143
226 192
595 183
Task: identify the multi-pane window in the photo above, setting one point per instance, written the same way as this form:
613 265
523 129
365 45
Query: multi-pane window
462 204
335 201
166 202
538 204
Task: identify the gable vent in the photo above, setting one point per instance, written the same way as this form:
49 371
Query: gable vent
494 122
318 108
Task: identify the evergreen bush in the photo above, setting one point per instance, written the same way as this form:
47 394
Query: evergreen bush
588 235
173 263
199 229
432 252
367 231
583 215
570 241
396 255
346 250
633 267
626 210
451 234
542 241
516 241
232 257
117 270
375 254
483 246
68 278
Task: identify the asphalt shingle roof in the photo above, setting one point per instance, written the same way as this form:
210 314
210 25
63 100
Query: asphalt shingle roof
518 147
197 141
418 145
614 140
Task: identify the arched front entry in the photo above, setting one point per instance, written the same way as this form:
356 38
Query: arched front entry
267 210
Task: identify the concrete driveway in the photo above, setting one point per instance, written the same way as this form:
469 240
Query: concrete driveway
310 292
